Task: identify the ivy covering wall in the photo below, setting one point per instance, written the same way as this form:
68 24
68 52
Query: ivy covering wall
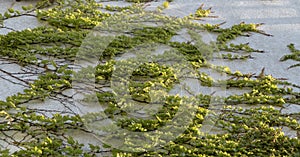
53 50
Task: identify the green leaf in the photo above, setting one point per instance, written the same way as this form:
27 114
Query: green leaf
11 10
7 15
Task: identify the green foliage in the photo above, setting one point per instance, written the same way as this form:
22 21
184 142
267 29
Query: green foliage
265 90
294 56
236 30
155 74
76 15
24 46
117 8
146 34
245 132
201 13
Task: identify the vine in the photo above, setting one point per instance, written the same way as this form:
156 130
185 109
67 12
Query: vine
294 56
252 131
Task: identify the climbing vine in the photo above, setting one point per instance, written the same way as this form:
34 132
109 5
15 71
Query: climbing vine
27 129
294 56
